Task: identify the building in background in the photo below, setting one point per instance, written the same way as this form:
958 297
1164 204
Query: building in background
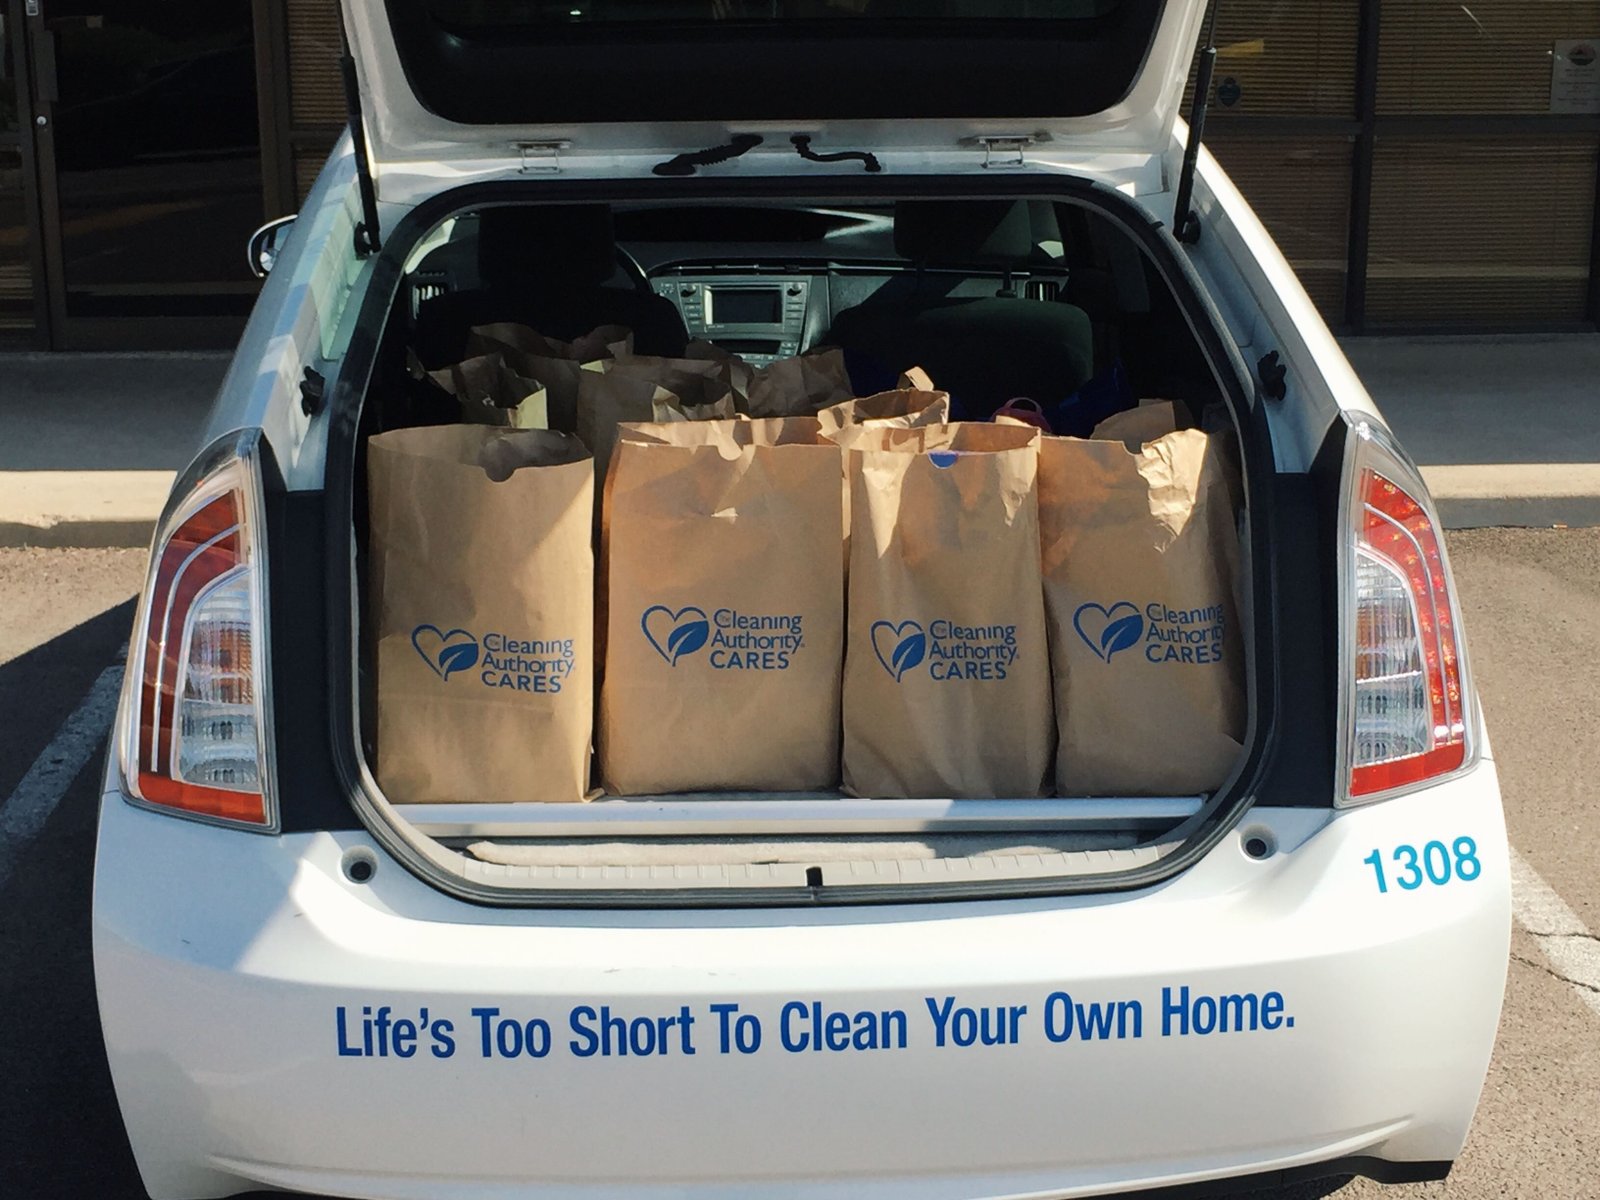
1424 165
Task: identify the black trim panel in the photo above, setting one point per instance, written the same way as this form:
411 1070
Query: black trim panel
1307 620
310 794
804 71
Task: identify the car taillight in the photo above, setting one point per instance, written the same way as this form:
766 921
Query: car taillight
1407 701
194 730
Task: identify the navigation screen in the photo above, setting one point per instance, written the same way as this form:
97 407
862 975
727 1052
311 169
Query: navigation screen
745 306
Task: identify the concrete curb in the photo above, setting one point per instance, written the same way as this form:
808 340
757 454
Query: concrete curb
1521 495
1519 512
81 509
118 509
113 534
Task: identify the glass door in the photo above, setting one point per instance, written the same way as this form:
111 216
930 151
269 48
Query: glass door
149 152
18 302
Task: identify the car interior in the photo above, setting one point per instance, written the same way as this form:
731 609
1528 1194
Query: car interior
996 299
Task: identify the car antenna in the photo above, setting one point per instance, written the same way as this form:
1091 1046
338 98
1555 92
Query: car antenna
1186 222
686 164
366 235
802 145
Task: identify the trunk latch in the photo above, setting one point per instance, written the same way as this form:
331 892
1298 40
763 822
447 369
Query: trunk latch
541 157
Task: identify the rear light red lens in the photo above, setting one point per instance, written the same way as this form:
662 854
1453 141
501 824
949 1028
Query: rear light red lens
1408 720
196 740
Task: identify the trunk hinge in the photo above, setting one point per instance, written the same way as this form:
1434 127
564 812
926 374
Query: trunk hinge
1185 221
541 157
366 237
1005 150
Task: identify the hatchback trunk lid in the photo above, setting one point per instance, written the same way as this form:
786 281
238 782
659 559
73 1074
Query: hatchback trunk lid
609 88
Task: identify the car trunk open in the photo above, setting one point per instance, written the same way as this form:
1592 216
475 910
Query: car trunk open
622 88
764 848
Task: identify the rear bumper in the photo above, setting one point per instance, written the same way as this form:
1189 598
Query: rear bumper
269 1022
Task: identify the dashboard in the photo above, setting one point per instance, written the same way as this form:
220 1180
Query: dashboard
758 317
763 282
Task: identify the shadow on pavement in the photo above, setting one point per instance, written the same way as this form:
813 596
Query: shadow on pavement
40 688
1313 1189
60 1131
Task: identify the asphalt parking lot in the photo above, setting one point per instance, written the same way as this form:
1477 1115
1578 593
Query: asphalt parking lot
1532 601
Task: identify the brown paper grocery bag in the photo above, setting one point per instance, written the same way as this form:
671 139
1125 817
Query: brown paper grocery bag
552 362
490 392
1133 427
947 677
735 371
673 409
724 610
481 590
1140 554
798 386
631 389
613 393
908 407
914 403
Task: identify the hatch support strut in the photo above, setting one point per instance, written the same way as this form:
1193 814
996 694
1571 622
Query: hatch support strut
366 237
1185 221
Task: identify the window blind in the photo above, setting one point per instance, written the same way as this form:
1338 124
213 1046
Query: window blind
1490 231
316 92
1293 57
1489 56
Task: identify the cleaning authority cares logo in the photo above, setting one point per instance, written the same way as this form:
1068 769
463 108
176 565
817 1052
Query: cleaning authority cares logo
951 651
737 641
1168 635
502 661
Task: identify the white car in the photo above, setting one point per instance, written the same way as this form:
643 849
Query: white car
306 987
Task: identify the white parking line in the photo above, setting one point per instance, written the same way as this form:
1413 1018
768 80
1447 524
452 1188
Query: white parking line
77 741
1572 951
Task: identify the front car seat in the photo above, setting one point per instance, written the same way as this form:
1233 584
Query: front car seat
984 350
546 267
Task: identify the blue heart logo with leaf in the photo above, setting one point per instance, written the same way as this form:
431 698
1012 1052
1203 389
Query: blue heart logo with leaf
675 634
446 653
899 647
1107 631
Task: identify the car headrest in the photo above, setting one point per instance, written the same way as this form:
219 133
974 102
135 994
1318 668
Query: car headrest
965 232
561 245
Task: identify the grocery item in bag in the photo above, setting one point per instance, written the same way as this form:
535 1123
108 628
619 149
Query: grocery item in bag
490 392
724 609
947 679
482 582
1140 555
1022 410
552 362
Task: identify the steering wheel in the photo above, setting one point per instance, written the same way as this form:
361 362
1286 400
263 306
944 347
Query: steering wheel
635 273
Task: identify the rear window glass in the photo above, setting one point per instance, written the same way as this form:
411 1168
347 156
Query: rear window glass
484 13
568 62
